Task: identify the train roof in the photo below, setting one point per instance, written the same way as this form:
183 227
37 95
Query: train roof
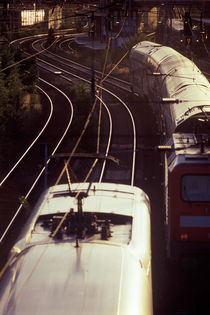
180 81
124 205
154 53
58 277
103 197
189 148
169 62
177 72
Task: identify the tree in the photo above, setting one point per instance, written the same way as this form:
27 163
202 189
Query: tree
29 75
81 93
7 59
133 40
15 80
3 104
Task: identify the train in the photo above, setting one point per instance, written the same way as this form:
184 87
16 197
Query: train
187 196
174 86
179 93
86 249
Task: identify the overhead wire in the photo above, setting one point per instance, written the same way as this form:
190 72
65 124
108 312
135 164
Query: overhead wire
75 15
204 44
29 57
88 119
103 77
65 169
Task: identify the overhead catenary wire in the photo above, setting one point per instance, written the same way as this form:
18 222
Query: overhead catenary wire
60 224
93 107
29 57
63 170
66 17
86 125
87 122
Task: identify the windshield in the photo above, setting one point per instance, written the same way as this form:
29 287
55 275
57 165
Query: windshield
195 188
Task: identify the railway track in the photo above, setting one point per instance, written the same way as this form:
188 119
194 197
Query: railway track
112 99
25 173
127 141
147 175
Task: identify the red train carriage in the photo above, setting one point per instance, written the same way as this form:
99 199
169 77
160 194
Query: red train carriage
188 196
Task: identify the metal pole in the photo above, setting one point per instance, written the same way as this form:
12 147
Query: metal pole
165 24
46 165
170 31
93 56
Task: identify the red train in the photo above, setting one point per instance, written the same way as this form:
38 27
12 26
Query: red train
179 93
187 195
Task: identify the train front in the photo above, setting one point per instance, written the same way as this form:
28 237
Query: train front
94 258
188 196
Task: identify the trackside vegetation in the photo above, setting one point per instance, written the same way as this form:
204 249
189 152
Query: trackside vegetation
16 81
80 94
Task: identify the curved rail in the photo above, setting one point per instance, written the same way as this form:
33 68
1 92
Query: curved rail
43 169
47 162
109 139
34 141
115 96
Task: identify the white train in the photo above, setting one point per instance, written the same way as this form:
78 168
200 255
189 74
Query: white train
97 262
174 85
181 93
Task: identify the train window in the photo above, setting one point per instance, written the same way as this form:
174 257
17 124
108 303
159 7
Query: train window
195 188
